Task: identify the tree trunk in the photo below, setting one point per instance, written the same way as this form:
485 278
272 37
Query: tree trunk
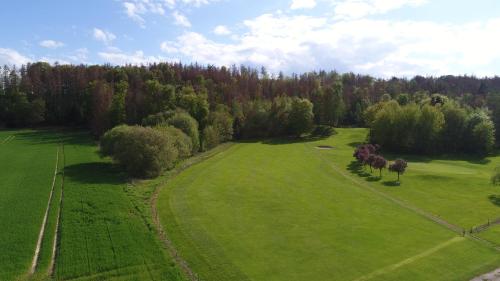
398 176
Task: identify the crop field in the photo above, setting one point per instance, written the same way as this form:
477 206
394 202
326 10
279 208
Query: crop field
289 211
99 228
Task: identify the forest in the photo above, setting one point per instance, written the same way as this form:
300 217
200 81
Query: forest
421 114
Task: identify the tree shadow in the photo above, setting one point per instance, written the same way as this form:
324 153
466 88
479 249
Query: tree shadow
495 199
291 140
69 137
95 173
356 168
355 144
373 178
391 183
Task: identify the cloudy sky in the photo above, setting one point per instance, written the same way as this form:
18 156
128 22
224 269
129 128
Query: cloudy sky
379 37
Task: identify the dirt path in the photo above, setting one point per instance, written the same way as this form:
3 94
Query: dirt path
183 264
490 276
44 222
55 241
410 259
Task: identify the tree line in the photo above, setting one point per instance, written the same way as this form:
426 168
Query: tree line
435 124
99 97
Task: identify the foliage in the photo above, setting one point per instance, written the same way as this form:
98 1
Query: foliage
399 166
141 151
430 129
211 138
183 121
182 142
301 117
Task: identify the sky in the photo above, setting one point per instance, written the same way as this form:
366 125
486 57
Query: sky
383 38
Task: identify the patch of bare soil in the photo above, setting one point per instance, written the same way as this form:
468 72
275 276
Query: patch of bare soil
490 276
324 147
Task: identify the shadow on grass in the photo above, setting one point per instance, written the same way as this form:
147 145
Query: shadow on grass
495 199
391 183
95 173
373 178
69 137
356 168
355 144
470 158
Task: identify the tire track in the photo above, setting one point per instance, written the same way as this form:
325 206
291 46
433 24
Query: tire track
56 240
7 139
409 260
458 230
182 263
36 255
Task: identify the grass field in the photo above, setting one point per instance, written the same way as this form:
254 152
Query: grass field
288 211
104 235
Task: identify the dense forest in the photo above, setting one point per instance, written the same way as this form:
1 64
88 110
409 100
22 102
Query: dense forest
258 104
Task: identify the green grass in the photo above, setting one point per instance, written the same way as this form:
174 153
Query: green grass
26 173
280 211
455 188
104 235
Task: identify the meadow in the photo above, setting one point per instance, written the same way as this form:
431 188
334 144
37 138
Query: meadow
102 230
256 210
286 210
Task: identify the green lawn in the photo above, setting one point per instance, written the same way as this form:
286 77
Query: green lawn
455 188
288 211
105 232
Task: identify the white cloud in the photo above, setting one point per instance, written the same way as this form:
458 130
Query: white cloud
12 57
222 30
303 4
379 47
355 9
104 36
121 58
138 10
79 55
51 44
180 19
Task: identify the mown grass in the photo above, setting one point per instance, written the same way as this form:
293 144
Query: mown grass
278 211
456 188
26 173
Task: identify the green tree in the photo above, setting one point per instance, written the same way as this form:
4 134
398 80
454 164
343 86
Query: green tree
300 120
117 112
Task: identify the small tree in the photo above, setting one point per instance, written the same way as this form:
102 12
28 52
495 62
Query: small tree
399 166
379 163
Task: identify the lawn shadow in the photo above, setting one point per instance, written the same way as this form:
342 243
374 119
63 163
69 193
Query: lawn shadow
356 168
95 173
373 178
355 144
68 137
495 199
391 183
290 140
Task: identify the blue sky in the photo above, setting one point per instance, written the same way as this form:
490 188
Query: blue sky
378 37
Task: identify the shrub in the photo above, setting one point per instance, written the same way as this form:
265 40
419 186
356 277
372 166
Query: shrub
181 141
323 131
111 138
142 152
183 121
210 138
